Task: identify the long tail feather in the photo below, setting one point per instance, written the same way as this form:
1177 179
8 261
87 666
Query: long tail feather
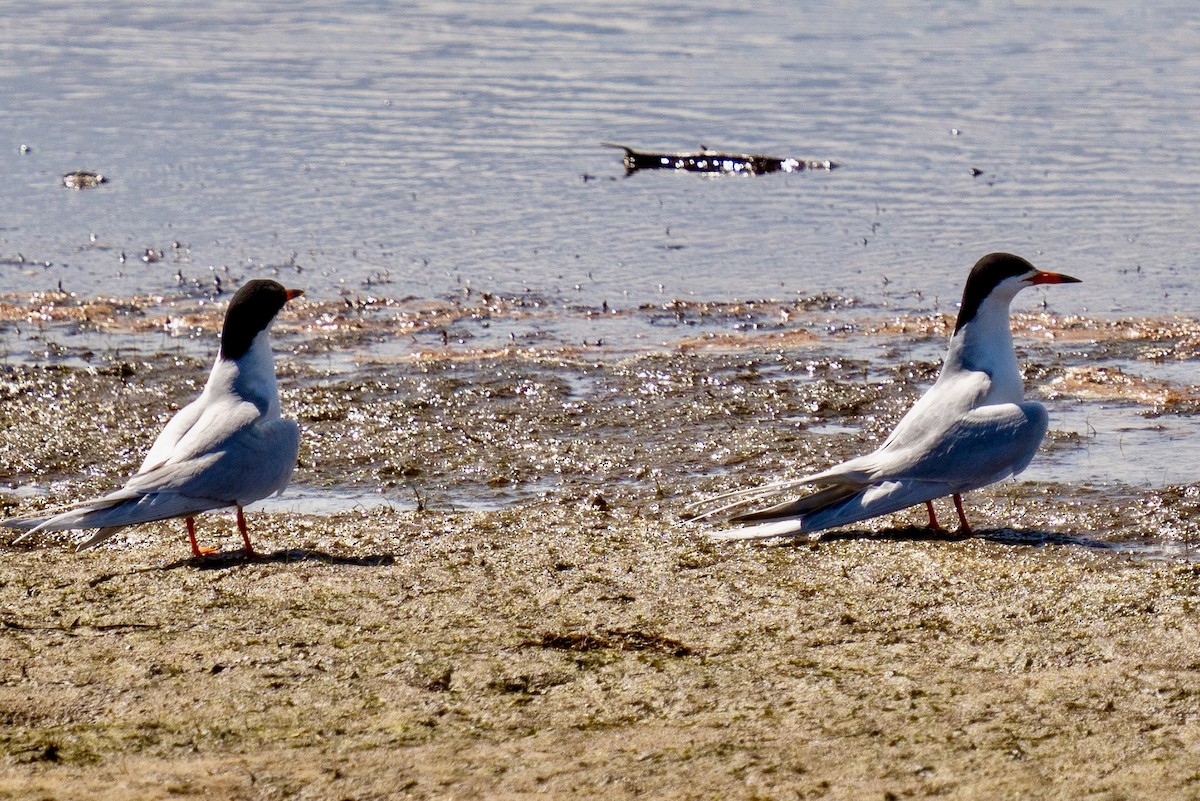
71 517
841 507
762 531
113 512
99 538
717 504
812 502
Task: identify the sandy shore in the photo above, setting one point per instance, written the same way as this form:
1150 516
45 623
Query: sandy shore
564 650
544 624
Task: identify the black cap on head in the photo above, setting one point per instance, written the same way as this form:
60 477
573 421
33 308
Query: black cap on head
987 273
252 309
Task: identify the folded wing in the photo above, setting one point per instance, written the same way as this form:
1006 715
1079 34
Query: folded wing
227 456
977 448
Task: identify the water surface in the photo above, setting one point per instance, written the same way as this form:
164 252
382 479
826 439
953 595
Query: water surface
437 145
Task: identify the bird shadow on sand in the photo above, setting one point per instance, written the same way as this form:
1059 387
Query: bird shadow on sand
1027 537
228 559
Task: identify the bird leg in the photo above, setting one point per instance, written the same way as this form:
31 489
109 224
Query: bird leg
249 549
933 521
196 549
964 528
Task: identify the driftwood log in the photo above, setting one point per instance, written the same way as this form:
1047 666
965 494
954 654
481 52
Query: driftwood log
714 161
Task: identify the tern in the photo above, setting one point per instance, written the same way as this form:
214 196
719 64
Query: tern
972 428
229 447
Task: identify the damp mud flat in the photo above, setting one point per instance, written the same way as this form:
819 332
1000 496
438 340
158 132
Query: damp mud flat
516 608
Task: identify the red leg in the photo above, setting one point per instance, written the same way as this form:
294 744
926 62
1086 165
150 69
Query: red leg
196 549
245 534
933 521
964 527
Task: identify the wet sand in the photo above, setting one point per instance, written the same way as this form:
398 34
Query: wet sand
516 608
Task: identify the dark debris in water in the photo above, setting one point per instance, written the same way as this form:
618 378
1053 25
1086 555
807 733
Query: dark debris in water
715 162
81 179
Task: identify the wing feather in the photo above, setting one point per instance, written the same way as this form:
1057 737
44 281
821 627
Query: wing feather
977 448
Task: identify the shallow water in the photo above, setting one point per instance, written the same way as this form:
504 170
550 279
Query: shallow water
417 150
